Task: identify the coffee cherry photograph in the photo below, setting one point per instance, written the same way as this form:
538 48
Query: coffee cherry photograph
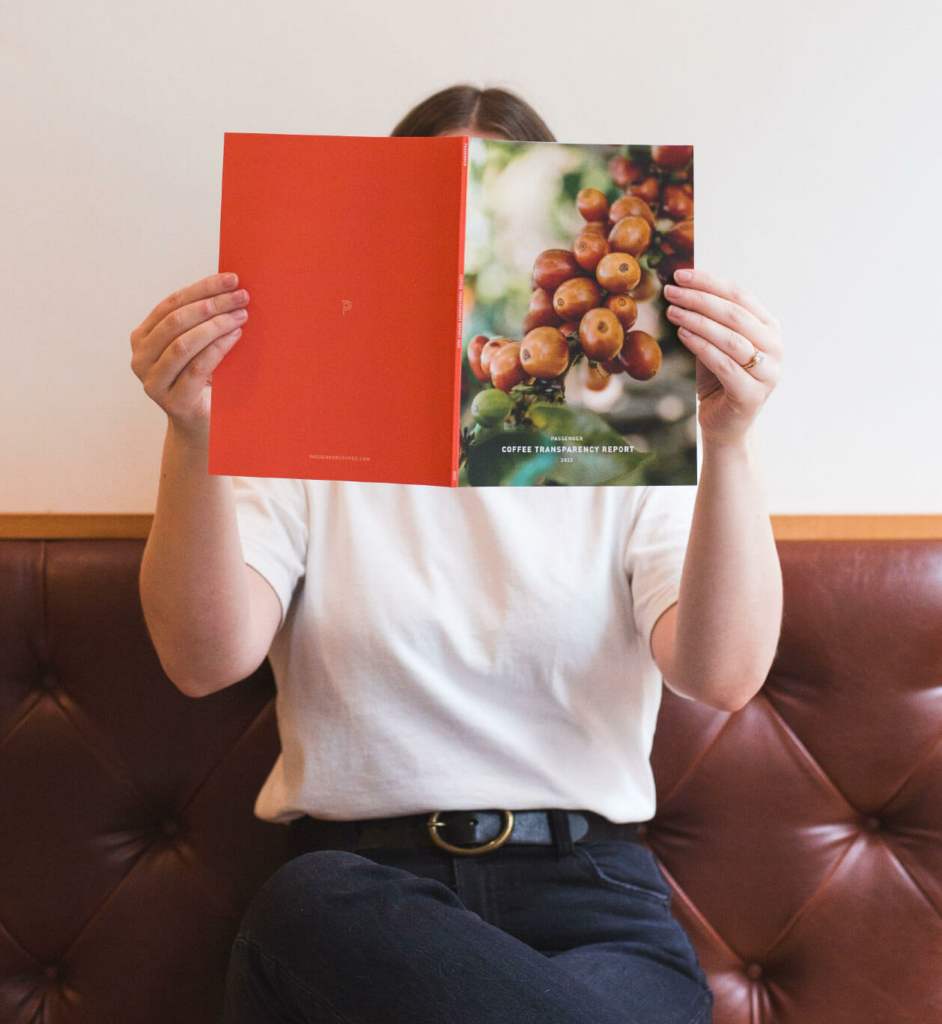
568 249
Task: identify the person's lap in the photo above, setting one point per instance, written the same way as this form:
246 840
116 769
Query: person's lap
514 935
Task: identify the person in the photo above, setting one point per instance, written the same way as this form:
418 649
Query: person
467 682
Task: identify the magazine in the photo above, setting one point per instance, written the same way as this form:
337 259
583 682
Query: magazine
455 311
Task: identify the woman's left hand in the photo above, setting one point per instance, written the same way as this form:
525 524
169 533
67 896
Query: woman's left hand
724 325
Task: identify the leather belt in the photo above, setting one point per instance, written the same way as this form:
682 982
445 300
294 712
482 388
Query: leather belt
464 833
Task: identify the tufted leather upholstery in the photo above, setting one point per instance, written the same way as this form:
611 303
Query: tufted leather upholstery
801 834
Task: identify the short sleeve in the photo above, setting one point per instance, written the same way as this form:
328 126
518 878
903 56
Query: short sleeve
273 526
654 551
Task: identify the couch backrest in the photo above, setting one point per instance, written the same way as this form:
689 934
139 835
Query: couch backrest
801 834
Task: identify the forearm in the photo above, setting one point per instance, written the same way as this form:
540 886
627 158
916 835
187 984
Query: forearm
729 609
194 588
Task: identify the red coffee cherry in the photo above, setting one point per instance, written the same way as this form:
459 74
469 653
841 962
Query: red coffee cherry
506 368
554 266
680 237
648 189
601 334
575 297
542 313
596 380
641 355
676 203
475 345
568 328
625 308
618 272
544 353
622 171
595 227
589 248
645 287
630 206
614 365
667 266
671 157
631 235
487 353
592 204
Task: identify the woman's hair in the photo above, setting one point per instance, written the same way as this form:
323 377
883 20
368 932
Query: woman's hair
484 110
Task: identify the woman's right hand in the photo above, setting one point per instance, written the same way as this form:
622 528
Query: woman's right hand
180 343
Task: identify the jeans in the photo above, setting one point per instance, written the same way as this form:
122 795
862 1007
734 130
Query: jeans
523 934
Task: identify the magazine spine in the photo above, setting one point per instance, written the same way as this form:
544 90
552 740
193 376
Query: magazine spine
456 426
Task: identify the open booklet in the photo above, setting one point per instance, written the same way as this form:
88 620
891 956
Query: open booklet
455 311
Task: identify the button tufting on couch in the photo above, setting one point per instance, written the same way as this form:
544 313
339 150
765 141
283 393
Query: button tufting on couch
801 835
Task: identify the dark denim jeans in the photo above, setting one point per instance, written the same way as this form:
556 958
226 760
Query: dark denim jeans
519 935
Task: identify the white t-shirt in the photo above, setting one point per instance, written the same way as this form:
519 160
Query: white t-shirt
446 649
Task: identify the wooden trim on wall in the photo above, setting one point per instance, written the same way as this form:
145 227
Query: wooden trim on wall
67 526
56 526
860 527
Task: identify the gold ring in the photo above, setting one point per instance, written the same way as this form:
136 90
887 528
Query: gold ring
434 825
757 357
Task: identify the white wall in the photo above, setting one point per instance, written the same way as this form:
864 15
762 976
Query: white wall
818 150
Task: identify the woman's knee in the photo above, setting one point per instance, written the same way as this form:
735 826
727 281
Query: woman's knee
301 894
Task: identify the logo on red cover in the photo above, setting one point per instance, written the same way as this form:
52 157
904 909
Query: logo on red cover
345 304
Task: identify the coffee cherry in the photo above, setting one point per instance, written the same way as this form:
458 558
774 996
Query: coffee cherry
475 345
631 235
641 355
568 328
645 287
647 189
482 433
601 334
622 171
676 203
671 157
491 407
680 237
625 308
542 313
554 266
596 380
592 204
506 369
575 297
667 266
589 248
618 272
487 353
544 353
614 365
595 227
630 206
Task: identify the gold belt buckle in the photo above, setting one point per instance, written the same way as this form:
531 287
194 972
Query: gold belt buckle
434 825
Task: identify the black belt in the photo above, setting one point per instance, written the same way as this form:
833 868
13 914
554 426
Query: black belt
452 831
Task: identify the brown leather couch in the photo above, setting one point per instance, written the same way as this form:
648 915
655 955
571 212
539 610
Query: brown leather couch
801 834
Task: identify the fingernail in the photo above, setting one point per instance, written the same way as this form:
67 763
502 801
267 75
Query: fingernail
229 280
671 291
683 275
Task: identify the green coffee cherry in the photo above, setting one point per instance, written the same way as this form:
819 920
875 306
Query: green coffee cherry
491 407
482 433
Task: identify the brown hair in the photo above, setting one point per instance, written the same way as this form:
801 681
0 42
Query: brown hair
484 110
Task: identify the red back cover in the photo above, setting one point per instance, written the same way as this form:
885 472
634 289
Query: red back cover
351 249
